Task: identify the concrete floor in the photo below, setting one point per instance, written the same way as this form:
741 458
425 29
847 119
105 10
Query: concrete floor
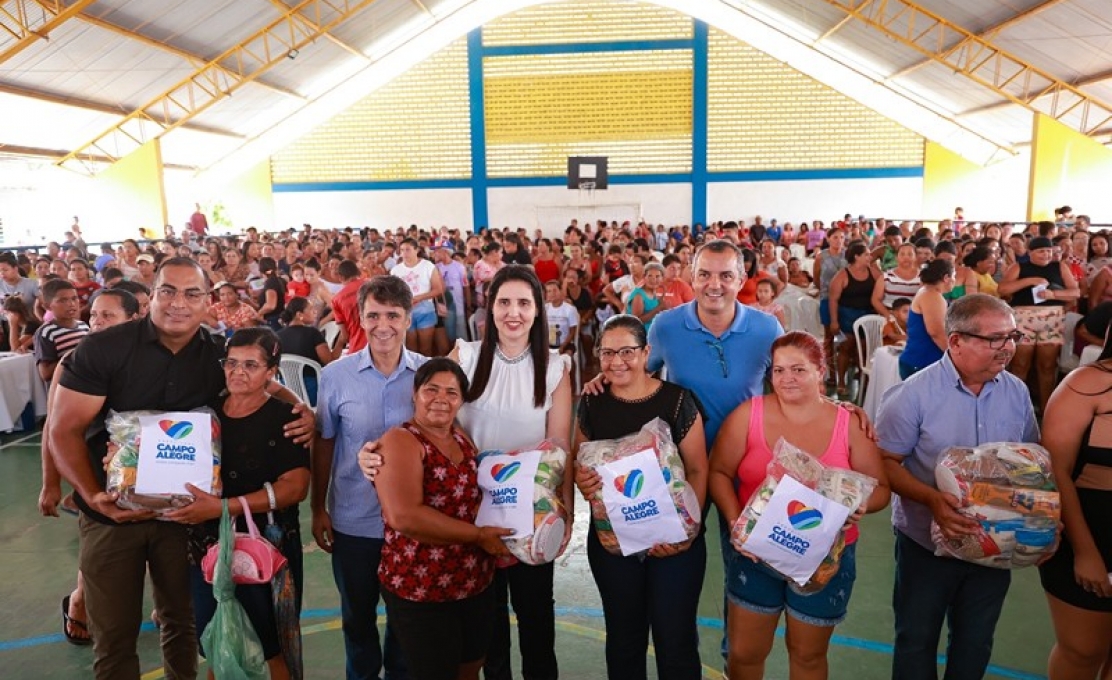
38 561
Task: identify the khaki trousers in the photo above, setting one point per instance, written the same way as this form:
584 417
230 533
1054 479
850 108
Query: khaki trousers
114 561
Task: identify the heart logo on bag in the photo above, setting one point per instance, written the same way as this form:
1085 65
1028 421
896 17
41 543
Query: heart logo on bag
502 472
802 516
630 485
176 429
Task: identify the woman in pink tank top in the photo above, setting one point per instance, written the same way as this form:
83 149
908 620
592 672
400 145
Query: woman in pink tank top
798 412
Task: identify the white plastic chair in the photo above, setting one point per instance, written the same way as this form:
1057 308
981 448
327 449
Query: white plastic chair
808 319
868 331
291 369
1067 360
331 331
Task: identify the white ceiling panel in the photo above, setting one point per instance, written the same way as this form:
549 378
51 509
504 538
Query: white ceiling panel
1071 39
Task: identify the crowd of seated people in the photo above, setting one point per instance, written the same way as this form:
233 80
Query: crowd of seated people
562 305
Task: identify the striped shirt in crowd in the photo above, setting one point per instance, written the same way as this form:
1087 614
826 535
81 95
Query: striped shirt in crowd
53 341
896 287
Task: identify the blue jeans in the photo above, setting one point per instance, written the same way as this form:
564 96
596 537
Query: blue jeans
657 593
931 589
355 568
529 589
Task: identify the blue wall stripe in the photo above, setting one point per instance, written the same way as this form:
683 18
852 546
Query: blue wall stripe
374 185
587 48
699 125
661 178
479 215
822 173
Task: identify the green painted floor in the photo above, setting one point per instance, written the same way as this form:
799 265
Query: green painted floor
38 561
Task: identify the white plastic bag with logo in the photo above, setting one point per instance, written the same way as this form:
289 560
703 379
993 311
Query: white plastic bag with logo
154 453
521 491
655 437
797 529
847 488
639 504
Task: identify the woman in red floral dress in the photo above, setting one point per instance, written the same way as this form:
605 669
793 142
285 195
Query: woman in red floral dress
437 566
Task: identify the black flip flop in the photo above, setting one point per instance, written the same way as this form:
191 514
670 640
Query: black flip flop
67 622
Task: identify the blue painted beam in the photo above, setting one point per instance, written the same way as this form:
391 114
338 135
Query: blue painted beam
479 210
699 125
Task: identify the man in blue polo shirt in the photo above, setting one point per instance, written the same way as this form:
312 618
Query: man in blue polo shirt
964 399
361 397
715 346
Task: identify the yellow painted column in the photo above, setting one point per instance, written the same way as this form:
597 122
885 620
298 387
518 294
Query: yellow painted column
131 193
946 181
1067 168
248 200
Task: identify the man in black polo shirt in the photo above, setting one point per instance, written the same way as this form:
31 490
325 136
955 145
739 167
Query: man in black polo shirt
168 363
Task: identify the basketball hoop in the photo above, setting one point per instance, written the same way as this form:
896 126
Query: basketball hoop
588 186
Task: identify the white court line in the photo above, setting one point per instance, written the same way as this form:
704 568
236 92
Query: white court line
19 441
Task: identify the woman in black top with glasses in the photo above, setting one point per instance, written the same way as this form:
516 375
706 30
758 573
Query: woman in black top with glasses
659 592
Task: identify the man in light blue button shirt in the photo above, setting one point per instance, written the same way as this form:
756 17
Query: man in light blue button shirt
361 397
964 399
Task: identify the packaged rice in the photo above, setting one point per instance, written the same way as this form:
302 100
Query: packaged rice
844 487
646 499
180 448
1009 490
521 491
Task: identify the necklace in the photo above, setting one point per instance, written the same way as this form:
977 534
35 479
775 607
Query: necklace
510 360
639 400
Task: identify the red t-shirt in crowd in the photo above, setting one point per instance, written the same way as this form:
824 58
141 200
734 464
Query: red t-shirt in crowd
345 310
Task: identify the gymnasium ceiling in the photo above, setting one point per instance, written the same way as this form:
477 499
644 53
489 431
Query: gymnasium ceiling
85 81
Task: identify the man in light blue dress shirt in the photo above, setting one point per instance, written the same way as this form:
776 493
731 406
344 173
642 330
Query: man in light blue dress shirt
361 397
964 399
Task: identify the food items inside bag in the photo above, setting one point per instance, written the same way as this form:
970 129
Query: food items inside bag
1009 490
154 454
645 499
844 487
521 491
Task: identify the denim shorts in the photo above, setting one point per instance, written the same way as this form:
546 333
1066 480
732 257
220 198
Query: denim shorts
424 316
824 311
759 589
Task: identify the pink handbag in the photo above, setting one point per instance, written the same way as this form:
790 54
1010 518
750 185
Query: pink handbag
254 559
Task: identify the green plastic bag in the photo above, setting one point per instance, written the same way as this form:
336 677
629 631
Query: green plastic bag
231 645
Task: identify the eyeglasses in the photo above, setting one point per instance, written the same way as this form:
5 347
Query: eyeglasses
248 366
717 347
626 354
996 341
169 293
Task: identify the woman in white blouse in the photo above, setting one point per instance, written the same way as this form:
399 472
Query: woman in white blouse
520 394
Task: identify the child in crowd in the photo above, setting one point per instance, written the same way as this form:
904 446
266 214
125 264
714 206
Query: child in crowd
563 319
895 331
766 302
298 286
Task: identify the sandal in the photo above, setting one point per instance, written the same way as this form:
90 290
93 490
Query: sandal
67 621
68 505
